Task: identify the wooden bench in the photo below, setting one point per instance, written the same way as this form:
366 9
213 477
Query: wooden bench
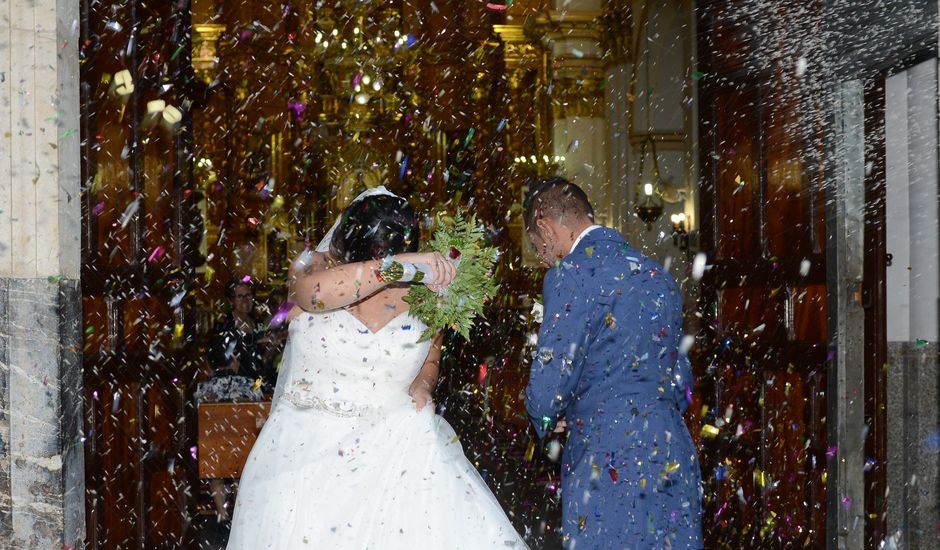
227 432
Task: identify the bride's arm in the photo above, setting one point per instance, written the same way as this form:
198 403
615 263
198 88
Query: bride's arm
318 287
423 385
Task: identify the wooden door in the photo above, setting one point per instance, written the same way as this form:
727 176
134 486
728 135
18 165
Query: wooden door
140 233
760 408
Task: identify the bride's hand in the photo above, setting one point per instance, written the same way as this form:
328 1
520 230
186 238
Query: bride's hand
420 396
444 270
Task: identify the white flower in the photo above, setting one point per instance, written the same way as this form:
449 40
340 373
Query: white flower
537 312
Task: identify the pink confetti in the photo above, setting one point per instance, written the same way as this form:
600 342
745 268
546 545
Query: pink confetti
281 314
156 254
496 7
297 108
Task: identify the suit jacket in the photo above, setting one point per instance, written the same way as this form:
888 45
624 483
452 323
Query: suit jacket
608 361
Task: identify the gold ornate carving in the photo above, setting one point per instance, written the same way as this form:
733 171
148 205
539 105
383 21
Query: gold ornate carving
520 48
616 25
578 97
354 167
519 51
205 48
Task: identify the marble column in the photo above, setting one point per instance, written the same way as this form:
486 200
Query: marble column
41 453
662 98
618 38
650 97
579 127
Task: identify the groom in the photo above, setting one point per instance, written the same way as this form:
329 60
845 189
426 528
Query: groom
609 372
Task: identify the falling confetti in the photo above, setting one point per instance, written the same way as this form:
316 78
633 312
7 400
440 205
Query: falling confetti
289 113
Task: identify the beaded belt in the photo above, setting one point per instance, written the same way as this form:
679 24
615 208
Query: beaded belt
301 397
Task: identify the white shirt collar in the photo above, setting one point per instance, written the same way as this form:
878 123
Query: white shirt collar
581 236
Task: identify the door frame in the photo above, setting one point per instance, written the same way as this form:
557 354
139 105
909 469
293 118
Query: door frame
874 293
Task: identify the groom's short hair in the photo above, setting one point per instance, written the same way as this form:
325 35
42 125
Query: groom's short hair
558 199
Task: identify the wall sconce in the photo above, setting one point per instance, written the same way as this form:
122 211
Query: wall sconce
680 237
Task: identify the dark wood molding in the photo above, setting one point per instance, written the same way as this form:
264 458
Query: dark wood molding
874 300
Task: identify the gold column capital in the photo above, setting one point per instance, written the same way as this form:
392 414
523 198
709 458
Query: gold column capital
520 46
205 50
574 40
578 96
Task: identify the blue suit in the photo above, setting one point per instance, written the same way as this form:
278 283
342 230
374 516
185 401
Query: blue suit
608 361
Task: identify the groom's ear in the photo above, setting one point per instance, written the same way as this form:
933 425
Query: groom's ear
543 228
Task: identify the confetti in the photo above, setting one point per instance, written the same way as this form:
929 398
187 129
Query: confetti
709 431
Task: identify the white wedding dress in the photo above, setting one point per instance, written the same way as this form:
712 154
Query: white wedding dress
345 462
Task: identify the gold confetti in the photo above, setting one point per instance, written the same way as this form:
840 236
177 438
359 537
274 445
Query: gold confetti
256 386
529 452
709 431
589 251
610 320
761 478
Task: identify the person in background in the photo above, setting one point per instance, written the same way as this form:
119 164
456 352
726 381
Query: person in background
241 354
239 345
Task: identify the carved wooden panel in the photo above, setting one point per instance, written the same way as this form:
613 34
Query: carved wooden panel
762 367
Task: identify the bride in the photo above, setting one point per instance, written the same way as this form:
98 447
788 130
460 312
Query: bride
353 455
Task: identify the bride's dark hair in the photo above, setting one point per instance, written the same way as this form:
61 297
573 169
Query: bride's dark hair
375 227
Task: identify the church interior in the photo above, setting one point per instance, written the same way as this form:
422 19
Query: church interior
220 138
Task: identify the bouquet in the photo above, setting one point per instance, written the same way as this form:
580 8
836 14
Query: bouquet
455 307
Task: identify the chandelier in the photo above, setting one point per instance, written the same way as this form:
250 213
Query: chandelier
361 49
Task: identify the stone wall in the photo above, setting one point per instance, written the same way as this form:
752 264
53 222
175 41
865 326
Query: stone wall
913 445
41 453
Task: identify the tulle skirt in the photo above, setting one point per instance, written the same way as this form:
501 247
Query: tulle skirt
395 479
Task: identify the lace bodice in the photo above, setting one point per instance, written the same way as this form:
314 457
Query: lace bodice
333 362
